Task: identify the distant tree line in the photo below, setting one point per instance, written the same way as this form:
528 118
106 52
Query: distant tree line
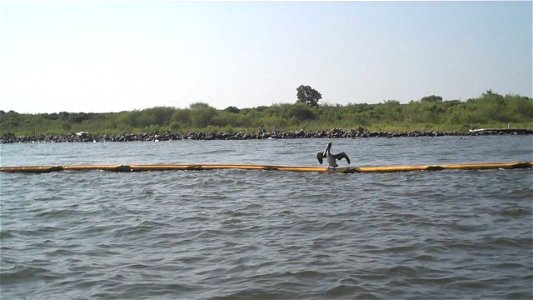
489 109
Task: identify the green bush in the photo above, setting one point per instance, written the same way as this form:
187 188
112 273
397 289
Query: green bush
428 112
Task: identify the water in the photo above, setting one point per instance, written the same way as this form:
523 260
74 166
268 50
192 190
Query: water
268 234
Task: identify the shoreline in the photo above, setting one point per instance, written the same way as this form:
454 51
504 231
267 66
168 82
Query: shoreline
85 137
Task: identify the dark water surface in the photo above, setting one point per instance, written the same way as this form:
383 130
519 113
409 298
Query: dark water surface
268 234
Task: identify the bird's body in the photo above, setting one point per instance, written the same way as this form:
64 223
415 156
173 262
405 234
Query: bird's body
331 158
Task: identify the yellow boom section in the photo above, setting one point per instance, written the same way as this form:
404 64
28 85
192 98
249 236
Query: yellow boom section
187 167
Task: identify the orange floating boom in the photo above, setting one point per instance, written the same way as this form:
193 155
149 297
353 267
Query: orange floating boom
188 167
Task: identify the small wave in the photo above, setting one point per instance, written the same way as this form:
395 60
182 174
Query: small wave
5 234
305 274
98 252
39 231
366 296
20 274
509 242
319 225
218 151
238 213
48 198
509 265
149 290
136 266
515 212
424 257
400 271
518 295
253 293
231 222
349 290
209 233
129 231
143 227
468 284
434 280
253 206
244 212
59 213
191 259
61 252
96 230
398 249
465 227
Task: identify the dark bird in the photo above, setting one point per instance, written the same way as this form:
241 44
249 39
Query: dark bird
332 158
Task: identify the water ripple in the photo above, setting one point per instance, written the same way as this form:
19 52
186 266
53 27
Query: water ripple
233 234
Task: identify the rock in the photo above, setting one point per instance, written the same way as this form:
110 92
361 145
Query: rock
331 133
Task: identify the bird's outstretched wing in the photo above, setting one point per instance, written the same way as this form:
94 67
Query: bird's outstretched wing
341 156
319 156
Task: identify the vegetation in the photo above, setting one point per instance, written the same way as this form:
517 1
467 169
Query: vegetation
431 112
308 95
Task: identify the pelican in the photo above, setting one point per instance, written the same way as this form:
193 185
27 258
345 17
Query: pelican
332 158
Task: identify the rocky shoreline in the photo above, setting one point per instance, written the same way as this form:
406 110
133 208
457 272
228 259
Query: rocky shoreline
85 137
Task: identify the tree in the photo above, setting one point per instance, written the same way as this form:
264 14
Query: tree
232 109
301 112
158 115
431 99
202 114
182 117
308 95
199 106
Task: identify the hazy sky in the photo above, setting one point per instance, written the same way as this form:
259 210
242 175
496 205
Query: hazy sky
112 56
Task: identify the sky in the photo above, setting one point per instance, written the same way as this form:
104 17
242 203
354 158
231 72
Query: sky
101 56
